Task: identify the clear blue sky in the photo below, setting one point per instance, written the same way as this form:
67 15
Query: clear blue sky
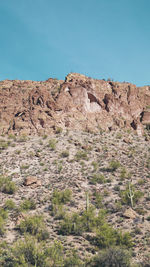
99 38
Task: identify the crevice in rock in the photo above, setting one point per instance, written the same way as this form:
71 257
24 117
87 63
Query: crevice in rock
13 126
134 125
141 116
19 114
92 98
41 122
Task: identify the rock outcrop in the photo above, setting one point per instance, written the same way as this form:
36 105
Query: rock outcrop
78 102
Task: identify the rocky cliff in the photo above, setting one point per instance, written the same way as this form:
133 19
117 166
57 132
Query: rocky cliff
79 102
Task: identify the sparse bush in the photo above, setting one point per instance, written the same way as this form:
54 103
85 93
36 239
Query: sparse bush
71 225
98 200
114 165
58 199
116 257
95 166
141 181
78 223
52 144
81 155
31 253
3 213
23 138
2 226
3 217
107 236
61 197
27 252
137 231
24 167
97 178
12 136
124 174
58 211
73 260
28 204
34 225
58 130
9 204
7 186
3 144
55 255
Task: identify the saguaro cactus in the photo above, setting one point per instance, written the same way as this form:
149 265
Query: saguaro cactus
87 200
131 194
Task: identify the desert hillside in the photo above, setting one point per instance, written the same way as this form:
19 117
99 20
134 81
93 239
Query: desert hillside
74 173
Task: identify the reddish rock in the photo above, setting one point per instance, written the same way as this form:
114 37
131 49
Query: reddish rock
78 102
130 214
146 118
30 180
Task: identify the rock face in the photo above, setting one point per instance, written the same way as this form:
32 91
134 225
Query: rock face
78 102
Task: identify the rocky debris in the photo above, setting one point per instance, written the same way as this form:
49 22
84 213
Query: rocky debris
127 140
79 102
130 214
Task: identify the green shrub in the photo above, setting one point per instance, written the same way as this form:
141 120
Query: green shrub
34 225
73 260
141 181
114 165
61 197
58 199
98 200
27 252
3 217
124 239
23 138
3 213
81 155
124 174
31 253
58 211
116 257
2 226
95 166
124 194
97 178
28 204
24 167
78 223
71 225
89 219
9 204
58 130
3 144
55 255
52 144
106 237
7 186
